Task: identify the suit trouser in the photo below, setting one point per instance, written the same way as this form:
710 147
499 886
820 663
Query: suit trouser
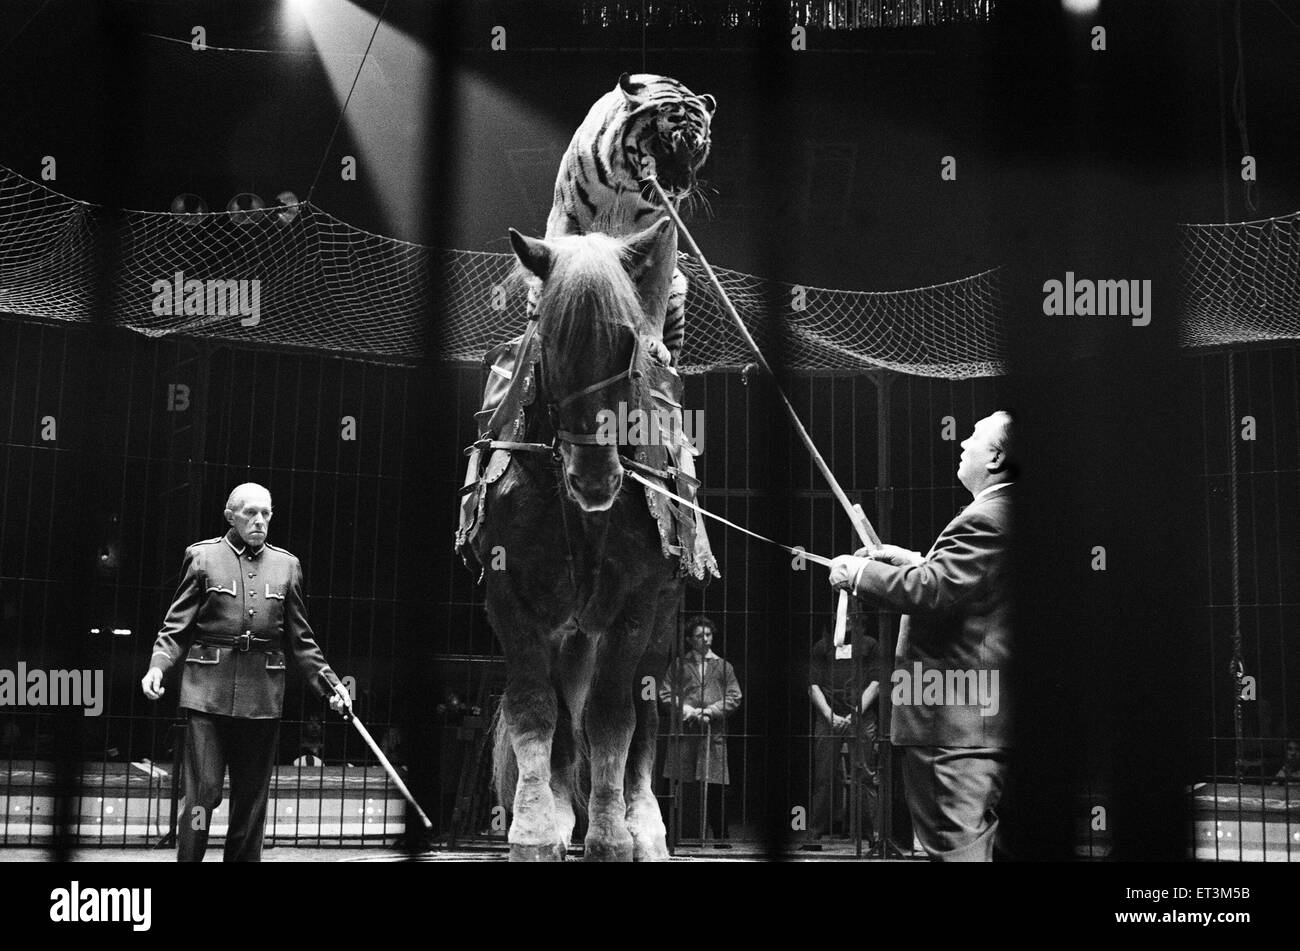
827 774
248 747
953 795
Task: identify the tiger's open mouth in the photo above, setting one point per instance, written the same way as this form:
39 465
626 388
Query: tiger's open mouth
676 164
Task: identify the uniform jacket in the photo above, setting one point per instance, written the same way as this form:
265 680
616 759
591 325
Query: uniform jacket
958 623
228 590
712 687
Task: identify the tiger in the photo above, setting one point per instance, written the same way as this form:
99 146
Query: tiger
647 124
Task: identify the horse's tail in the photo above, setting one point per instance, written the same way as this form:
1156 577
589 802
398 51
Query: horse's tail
575 776
505 771
582 774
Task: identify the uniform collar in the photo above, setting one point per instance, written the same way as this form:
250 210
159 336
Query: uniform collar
238 547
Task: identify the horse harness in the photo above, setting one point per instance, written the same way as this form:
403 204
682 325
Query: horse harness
508 407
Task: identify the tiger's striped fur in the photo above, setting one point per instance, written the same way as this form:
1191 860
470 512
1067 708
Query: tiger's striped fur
646 123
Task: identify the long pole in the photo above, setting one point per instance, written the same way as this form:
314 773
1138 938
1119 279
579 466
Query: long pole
884 817
856 515
352 718
704 785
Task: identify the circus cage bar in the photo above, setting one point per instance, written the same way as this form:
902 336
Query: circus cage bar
154 419
344 517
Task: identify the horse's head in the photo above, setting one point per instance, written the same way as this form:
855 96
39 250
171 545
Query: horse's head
590 320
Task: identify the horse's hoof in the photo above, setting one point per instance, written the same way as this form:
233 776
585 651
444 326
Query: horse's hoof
608 852
536 853
656 850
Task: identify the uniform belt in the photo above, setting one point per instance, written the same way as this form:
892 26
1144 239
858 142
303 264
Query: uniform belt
242 642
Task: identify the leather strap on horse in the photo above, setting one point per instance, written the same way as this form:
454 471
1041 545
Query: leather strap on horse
505 410
486 443
593 439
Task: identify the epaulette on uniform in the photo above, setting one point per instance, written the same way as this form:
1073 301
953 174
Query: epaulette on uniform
283 551
210 541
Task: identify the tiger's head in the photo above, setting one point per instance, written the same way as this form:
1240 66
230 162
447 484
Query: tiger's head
668 130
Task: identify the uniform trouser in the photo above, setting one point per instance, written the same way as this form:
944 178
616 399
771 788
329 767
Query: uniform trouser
827 774
953 795
212 743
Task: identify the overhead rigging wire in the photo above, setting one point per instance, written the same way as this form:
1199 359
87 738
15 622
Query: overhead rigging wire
339 121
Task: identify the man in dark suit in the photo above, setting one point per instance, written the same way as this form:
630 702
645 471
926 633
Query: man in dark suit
950 710
236 615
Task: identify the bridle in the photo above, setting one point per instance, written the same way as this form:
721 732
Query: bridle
510 403
553 408
632 374
561 435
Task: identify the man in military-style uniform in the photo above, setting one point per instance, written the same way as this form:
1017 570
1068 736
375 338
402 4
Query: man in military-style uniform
236 616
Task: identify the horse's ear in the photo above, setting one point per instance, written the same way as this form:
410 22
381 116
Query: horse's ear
652 256
532 253
647 248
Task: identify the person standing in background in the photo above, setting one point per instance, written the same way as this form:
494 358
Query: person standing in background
844 689
703 688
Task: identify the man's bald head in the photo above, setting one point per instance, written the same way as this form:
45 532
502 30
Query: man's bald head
237 495
248 510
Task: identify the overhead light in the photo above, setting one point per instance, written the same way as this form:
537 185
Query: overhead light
188 208
1081 8
244 208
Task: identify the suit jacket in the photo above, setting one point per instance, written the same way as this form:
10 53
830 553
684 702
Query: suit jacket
950 683
228 590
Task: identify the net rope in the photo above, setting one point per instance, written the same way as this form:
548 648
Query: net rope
1241 282
326 285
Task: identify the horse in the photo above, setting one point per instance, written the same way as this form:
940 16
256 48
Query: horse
578 590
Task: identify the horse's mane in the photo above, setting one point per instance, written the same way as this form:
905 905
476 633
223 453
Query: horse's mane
585 301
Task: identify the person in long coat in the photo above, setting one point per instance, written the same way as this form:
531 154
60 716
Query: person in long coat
700 690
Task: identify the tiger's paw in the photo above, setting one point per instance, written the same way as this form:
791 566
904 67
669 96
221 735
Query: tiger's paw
655 347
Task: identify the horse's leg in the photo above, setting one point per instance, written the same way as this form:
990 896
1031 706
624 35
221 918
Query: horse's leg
610 720
564 758
644 820
571 676
529 707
